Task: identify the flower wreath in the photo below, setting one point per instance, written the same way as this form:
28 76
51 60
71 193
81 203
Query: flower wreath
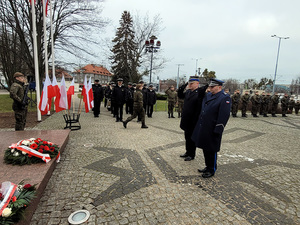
13 201
31 151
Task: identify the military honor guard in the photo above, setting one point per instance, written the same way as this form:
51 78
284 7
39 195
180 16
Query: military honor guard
213 118
151 100
119 96
274 104
235 99
172 99
98 97
284 105
245 101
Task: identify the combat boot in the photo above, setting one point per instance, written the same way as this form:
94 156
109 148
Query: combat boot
273 115
265 115
172 115
169 115
125 124
144 125
283 115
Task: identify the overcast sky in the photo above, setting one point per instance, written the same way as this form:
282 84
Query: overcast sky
230 37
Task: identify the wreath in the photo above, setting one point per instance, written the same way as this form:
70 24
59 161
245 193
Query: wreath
31 151
13 201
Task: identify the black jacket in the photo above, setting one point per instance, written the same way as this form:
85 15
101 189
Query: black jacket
119 95
151 97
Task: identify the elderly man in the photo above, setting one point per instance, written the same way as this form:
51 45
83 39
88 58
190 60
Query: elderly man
193 97
213 118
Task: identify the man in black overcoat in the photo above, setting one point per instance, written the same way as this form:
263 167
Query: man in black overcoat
151 100
98 97
119 96
193 97
213 118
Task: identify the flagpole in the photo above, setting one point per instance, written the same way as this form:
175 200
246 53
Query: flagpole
45 44
36 62
52 43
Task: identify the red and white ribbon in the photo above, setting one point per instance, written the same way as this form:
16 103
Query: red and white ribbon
7 197
45 157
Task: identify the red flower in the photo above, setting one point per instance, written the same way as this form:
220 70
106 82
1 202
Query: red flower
52 149
41 147
39 139
1 196
34 146
41 150
45 142
29 155
26 186
36 141
14 199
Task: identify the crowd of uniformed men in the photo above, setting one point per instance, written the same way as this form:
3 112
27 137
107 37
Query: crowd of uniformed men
263 104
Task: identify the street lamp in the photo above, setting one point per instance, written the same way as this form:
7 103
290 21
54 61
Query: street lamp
197 69
277 59
151 48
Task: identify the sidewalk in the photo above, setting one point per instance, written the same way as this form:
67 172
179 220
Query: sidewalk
135 176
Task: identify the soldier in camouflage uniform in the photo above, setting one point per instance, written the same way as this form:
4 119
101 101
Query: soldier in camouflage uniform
291 105
180 105
138 109
235 100
274 104
255 99
19 106
265 104
261 106
297 107
172 99
284 105
245 101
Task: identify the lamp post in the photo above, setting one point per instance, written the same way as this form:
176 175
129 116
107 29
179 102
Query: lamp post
197 69
151 48
277 59
178 74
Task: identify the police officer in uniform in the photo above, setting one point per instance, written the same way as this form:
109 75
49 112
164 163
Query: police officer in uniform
17 93
119 96
213 118
98 97
193 97
172 99
138 109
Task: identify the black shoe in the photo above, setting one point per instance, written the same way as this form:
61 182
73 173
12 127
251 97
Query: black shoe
117 120
202 170
207 174
189 158
284 115
274 115
254 115
144 126
184 155
124 124
172 117
266 115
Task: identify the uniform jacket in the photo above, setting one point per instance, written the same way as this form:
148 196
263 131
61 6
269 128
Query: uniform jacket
214 115
119 95
17 90
137 99
245 99
284 101
275 99
97 92
172 95
235 98
151 97
191 106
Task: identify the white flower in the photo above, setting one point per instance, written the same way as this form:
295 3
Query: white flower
20 188
12 150
6 212
16 154
26 142
24 153
31 139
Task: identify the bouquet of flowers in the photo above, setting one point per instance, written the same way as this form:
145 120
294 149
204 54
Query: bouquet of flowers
31 151
13 201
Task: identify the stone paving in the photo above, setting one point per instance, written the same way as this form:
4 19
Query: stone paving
135 176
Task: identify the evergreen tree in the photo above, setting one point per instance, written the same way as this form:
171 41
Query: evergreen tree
124 64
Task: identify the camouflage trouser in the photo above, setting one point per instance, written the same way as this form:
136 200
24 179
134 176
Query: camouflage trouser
171 106
20 116
244 108
180 106
274 109
137 111
235 107
284 109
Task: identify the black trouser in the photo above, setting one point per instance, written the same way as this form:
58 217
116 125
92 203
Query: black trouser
97 105
210 158
189 144
119 112
129 107
149 110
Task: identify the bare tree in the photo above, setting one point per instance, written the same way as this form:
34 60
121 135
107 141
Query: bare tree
73 20
231 84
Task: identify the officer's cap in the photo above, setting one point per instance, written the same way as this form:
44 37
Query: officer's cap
120 79
151 85
129 83
215 82
141 82
134 84
18 74
193 78
145 85
97 80
110 83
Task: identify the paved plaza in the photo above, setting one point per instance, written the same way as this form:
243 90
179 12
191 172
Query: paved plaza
135 176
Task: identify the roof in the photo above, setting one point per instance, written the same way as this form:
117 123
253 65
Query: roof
59 72
93 69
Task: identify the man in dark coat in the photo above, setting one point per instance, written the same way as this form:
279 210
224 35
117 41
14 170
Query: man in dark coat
213 118
193 97
98 97
118 96
129 99
151 100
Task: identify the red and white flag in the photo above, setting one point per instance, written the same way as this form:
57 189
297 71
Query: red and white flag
44 102
85 95
63 102
70 92
90 91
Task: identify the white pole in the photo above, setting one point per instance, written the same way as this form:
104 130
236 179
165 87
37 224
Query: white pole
36 62
52 42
